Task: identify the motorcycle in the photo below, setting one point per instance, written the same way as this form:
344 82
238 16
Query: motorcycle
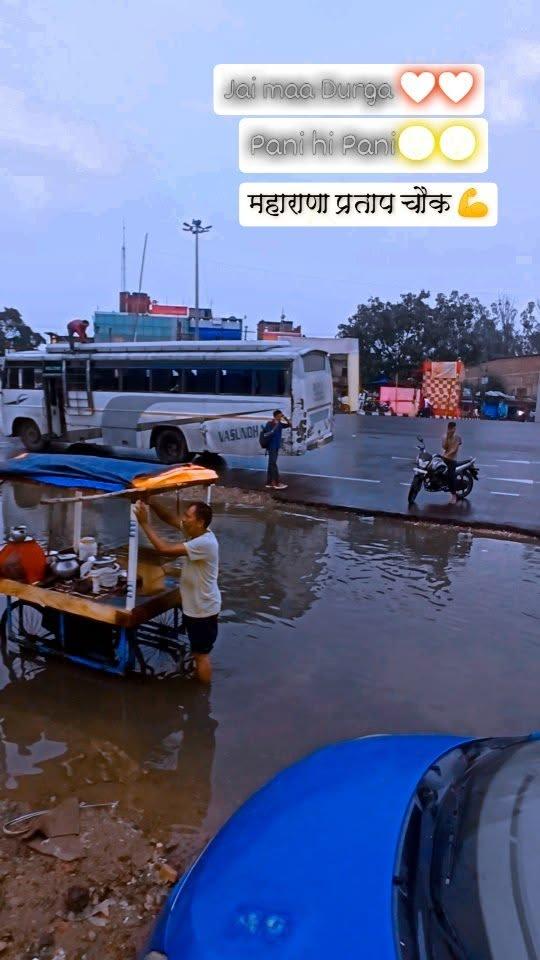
375 407
430 472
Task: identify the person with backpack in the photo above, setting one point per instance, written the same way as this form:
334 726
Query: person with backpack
270 440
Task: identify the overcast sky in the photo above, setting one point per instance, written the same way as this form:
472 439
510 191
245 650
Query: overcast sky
106 115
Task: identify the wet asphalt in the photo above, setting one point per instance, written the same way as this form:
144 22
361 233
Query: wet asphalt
368 468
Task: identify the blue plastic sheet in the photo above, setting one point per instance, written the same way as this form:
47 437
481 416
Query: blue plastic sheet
68 470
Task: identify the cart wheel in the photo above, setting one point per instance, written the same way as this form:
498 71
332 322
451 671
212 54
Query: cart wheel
160 649
20 635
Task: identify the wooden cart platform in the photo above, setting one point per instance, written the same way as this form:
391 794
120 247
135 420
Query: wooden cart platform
107 609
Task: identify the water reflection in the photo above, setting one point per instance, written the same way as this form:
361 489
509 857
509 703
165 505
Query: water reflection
140 743
273 565
398 558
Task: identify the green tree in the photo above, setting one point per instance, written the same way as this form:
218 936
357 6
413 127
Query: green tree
15 334
504 314
451 331
396 337
531 327
390 335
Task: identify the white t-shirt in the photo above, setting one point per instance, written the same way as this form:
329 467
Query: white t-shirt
198 582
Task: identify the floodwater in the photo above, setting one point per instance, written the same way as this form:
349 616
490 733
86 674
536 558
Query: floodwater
333 626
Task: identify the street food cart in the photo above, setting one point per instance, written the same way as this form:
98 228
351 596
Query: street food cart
111 628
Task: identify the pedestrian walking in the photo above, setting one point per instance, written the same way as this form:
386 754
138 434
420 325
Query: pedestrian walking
451 444
272 434
201 597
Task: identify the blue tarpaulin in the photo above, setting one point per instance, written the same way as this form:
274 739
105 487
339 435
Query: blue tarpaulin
68 470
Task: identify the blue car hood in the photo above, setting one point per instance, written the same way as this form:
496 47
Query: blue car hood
304 869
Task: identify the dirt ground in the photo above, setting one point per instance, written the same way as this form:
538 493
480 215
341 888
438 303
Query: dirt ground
98 907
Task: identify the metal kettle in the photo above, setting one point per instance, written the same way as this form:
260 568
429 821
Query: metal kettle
65 564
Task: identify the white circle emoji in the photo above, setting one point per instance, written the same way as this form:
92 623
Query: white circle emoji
416 142
457 142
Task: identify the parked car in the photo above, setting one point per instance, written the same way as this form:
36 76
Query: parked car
382 848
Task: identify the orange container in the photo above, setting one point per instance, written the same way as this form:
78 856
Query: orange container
24 561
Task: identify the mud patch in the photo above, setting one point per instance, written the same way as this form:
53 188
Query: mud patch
101 906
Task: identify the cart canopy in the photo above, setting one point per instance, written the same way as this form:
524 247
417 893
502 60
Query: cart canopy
102 473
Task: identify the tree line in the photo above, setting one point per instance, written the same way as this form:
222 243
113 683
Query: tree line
14 332
396 337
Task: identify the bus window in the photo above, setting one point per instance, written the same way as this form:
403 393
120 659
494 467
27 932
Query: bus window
12 378
314 362
135 380
236 380
28 380
76 375
269 383
105 378
201 380
166 380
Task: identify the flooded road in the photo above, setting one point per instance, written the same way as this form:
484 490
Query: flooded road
333 626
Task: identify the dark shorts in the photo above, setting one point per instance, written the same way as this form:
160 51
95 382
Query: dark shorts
201 632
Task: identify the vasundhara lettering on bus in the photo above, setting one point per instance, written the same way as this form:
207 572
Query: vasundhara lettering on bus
239 433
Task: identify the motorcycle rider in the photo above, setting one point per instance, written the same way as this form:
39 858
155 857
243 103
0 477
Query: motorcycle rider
451 444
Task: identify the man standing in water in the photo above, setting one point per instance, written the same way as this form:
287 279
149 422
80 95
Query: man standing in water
201 598
273 430
451 445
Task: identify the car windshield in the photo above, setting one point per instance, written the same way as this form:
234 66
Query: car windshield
468 874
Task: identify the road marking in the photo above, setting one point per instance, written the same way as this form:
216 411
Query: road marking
510 480
499 493
331 476
304 516
514 461
319 476
407 459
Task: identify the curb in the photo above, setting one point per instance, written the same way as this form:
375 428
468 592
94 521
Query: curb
413 518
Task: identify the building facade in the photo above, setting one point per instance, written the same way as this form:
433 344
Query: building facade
519 376
274 329
143 319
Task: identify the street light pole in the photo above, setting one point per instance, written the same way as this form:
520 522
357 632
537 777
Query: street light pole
196 228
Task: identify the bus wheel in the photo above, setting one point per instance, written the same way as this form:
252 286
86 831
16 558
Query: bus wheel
171 446
31 436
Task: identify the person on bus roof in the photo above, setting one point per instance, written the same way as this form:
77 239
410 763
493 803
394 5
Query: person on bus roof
77 328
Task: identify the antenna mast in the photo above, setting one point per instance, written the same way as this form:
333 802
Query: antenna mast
140 286
142 261
123 277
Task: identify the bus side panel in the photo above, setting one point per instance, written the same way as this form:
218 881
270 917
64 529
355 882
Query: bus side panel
236 432
127 419
18 404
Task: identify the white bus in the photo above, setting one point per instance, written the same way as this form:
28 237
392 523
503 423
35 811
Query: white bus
177 398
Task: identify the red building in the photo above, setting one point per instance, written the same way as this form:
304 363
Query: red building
273 329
